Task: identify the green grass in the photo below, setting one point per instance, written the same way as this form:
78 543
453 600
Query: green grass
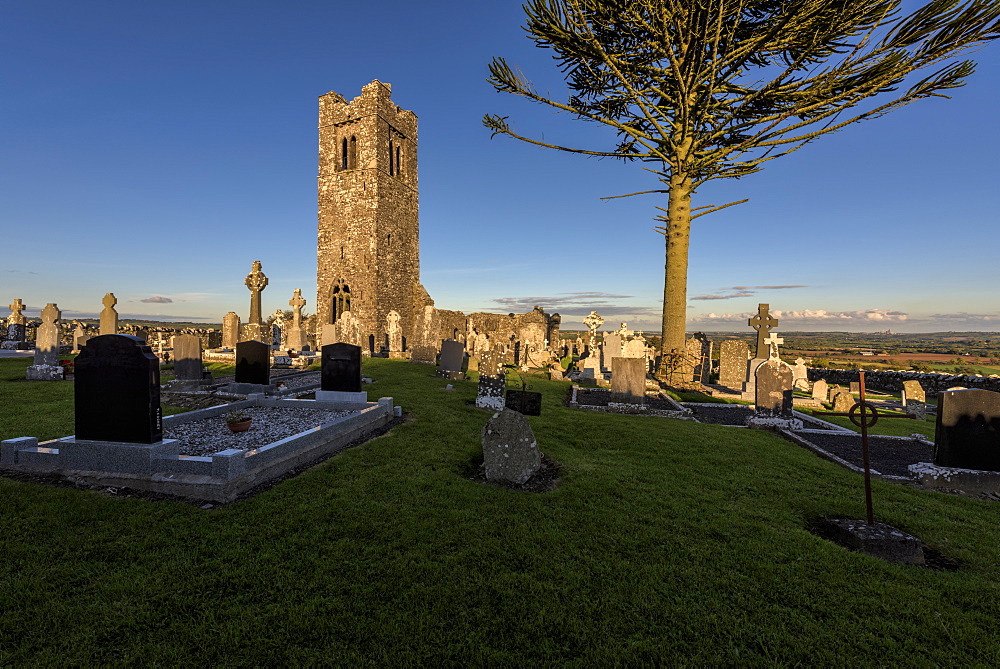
891 424
666 542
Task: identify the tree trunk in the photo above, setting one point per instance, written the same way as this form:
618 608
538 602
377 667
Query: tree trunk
678 237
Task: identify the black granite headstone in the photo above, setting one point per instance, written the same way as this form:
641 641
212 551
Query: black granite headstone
968 430
524 402
253 362
341 365
117 388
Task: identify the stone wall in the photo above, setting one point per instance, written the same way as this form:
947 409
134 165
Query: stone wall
892 381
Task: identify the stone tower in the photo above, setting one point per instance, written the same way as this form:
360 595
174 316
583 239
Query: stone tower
368 250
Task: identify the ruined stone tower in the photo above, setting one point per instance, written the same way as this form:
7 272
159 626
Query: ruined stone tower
368 252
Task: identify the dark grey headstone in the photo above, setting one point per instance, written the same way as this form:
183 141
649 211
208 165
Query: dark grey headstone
774 390
187 357
967 435
452 357
341 368
117 389
524 402
253 362
510 452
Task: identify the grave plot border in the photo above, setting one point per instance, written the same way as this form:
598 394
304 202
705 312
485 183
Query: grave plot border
797 437
221 477
629 409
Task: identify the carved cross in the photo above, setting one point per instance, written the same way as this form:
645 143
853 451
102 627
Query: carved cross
256 282
109 301
772 342
296 303
15 312
763 323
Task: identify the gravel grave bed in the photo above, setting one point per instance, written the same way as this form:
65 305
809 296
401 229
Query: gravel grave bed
211 435
887 456
736 414
601 398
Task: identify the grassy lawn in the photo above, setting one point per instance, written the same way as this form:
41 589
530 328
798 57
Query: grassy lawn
666 542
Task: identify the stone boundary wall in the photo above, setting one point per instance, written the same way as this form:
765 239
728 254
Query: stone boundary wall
893 381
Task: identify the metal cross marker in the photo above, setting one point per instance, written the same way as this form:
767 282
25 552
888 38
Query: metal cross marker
763 323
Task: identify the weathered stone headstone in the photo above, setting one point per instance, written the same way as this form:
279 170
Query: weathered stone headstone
820 390
913 391
628 378
773 399
800 374
109 317
253 362
80 338
917 409
510 452
187 358
856 387
295 339
47 338
117 391
230 329
843 401
556 372
15 322
423 355
395 333
967 434
452 357
492 381
611 348
341 368
733 356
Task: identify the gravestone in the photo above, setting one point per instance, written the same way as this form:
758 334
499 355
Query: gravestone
510 452
556 372
328 335
800 375
341 365
187 358
117 391
820 390
296 337
109 317
628 379
492 381
856 387
773 397
230 330
634 348
967 434
80 338
835 390
256 282
763 323
15 321
843 401
733 356
452 357
917 409
395 333
423 355
524 402
47 339
913 391
610 349
253 362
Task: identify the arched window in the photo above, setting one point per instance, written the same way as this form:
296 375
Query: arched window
399 164
343 154
352 153
388 239
341 252
391 154
340 300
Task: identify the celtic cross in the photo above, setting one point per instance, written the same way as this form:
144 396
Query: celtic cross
763 323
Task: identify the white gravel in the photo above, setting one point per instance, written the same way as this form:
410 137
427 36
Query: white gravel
211 435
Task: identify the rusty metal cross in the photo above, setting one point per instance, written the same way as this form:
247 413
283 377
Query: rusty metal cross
763 323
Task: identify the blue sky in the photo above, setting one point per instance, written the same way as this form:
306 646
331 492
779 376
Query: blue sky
156 149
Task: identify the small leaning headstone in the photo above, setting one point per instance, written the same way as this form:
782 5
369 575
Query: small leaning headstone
510 452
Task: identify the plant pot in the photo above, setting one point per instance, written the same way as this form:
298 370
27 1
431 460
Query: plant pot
240 427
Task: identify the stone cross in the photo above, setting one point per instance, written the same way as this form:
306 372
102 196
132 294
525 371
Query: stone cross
763 323
296 339
593 321
109 317
16 317
772 342
256 282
